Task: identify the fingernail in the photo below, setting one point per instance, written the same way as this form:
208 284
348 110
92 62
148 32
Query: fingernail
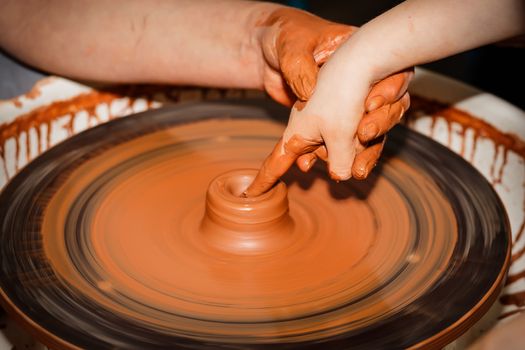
334 176
360 173
369 167
370 131
375 103
310 163
342 176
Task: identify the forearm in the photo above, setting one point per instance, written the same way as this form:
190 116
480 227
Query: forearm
412 33
165 41
420 31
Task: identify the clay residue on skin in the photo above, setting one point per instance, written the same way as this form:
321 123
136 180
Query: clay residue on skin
283 155
299 105
187 277
300 43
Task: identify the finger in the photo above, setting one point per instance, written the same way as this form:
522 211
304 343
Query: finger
300 71
379 121
341 153
306 161
277 163
277 88
273 167
388 90
367 159
322 153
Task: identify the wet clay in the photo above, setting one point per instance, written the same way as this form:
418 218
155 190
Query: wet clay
146 238
282 157
238 225
261 255
296 44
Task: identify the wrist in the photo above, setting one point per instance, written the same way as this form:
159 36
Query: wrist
360 58
257 27
348 75
373 55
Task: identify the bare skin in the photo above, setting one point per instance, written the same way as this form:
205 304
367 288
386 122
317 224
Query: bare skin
233 44
414 32
385 105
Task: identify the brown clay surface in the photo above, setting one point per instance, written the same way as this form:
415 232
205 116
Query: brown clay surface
153 232
212 271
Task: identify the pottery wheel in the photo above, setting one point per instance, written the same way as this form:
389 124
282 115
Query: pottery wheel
134 234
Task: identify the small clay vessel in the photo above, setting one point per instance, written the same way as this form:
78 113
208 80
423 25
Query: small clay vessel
144 240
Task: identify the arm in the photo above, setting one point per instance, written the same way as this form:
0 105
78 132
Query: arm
138 41
223 43
414 32
421 31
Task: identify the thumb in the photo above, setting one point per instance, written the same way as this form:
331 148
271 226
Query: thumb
389 90
277 88
300 71
341 154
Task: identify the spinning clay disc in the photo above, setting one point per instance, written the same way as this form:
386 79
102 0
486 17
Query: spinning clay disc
135 234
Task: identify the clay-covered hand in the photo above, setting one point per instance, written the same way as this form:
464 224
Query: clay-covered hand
311 135
412 33
294 44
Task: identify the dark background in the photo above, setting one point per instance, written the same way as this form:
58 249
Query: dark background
498 69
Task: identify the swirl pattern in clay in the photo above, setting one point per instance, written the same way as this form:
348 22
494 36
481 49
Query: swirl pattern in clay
133 234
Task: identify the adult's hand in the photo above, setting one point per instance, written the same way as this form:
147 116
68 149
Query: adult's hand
304 139
412 33
295 44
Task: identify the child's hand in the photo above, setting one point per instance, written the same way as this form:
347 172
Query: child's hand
350 145
296 43
414 32
290 73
